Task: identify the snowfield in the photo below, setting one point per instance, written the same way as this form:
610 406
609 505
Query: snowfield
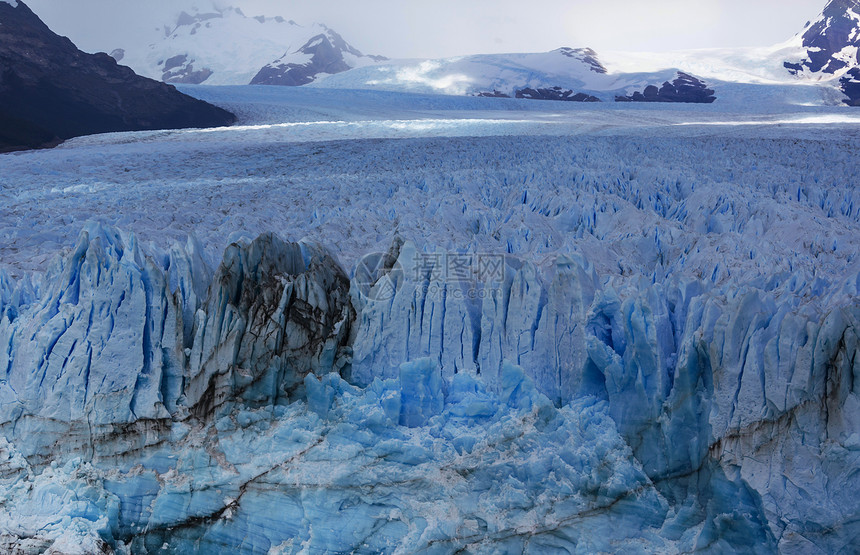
226 47
366 321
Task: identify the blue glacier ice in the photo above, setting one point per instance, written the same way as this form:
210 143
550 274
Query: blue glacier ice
152 404
666 360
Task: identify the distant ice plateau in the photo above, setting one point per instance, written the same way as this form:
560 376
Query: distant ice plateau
664 360
223 46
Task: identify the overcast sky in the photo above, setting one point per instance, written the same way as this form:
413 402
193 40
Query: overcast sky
439 28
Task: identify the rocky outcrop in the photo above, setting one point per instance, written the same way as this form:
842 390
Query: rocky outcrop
685 88
551 93
51 91
20 134
179 69
322 54
555 93
585 55
850 84
493 94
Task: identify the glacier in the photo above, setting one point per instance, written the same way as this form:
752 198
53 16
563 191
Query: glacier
663 357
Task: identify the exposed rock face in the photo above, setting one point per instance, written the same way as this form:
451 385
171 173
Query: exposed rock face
555 93
493 94
832 40
179 69
322 54
851 86
551 93
51 91
832 44
20 134
586 55
685 88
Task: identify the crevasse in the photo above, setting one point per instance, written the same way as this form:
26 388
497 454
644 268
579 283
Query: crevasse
276 404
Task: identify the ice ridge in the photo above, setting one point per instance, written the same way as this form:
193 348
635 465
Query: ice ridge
150 400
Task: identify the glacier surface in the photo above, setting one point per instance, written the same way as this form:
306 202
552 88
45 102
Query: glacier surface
661 357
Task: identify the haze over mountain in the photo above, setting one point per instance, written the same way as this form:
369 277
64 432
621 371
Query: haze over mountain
444 28
225 45
828 48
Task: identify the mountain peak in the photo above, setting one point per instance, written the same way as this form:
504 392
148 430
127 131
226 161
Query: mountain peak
832 41
832 44
585 55
326 53
224 46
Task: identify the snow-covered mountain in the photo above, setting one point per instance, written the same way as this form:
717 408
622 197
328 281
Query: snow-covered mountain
226 47
562 74
832 48
824 55
832 41
324 54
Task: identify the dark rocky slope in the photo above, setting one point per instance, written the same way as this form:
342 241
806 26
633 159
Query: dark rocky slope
832 43
685 88
51 91
851 87
826 38
555 93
